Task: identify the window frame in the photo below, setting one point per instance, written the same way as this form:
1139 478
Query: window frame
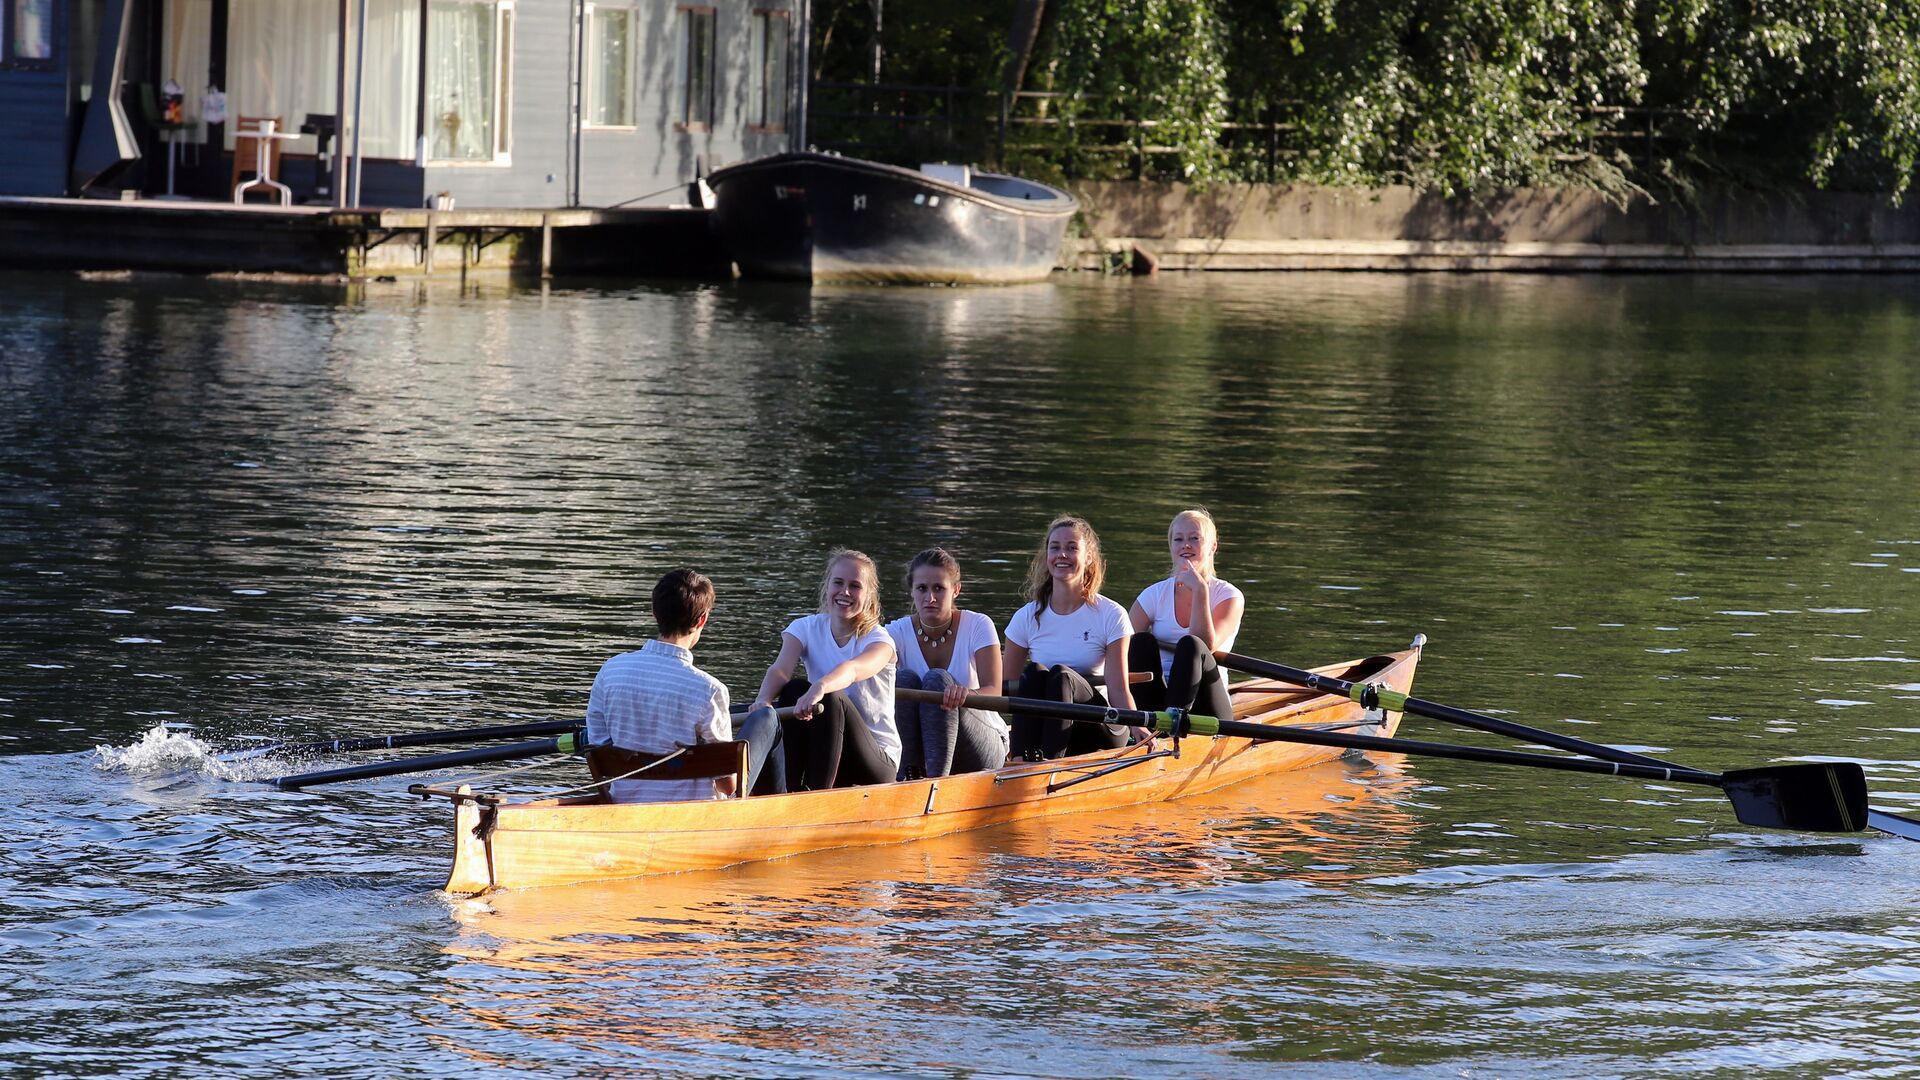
683 107
768 17
503 39
632 122
56 23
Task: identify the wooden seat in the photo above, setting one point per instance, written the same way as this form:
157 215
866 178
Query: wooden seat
701 762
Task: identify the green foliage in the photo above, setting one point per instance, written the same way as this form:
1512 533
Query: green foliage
1161 62
1457 96
1785 91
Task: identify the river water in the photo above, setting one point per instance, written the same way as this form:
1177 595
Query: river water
1666 512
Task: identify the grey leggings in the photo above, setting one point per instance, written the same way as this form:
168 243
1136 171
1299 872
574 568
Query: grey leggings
936 741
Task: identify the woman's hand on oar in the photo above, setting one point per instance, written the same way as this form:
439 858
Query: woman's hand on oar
1825 797
1381 697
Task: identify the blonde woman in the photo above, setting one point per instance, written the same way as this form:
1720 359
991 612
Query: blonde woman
842 732
1067 633
945 649
1185 619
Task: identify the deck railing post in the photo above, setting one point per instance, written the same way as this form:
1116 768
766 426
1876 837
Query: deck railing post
1006 99
1273 146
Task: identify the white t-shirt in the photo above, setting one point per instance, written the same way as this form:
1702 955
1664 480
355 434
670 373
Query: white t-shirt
974 632
872 697
1078 639
1157 601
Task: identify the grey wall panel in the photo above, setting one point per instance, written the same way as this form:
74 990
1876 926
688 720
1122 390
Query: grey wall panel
540 133
617 165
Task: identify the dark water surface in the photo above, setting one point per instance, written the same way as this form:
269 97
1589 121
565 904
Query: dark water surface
1670 513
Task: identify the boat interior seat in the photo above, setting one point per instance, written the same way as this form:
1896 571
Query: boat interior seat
699 762
961 175
1361 670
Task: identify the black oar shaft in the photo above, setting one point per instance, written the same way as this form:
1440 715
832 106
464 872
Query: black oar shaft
1825 797
559 744
432 738
1164 722
1461 753
429 738
1433 710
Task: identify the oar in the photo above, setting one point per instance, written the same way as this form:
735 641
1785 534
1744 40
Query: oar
424 738
1394 701
416 738
1825 797
559 744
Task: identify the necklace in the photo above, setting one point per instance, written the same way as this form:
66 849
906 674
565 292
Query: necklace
932 642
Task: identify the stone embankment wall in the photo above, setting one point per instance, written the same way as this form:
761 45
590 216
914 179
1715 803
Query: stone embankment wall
1299 227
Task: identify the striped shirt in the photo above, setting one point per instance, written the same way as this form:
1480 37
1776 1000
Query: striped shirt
654 700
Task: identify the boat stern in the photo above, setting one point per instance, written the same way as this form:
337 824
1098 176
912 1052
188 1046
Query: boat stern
472 872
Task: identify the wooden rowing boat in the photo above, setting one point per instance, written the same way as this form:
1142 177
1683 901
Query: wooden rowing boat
513 845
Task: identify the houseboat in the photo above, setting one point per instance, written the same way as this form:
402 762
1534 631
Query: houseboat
394 103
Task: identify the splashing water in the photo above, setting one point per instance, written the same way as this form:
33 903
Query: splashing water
163 751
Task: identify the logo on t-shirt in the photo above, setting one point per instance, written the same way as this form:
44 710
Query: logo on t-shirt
1086 635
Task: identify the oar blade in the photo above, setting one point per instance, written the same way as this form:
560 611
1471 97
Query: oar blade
1822 797
1894 824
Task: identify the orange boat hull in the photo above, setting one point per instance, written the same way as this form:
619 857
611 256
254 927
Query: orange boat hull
528 845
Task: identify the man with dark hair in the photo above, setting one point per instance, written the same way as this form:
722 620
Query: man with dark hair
654 700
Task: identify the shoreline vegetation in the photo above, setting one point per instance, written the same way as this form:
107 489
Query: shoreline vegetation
1664 102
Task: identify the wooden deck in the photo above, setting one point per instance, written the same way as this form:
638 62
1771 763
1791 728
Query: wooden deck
323 243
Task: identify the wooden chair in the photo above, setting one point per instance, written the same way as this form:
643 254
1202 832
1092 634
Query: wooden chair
246 152
702 762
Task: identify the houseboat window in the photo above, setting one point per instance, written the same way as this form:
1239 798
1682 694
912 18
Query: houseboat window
469 80
610 66
696 68
768 99
29 30
282 58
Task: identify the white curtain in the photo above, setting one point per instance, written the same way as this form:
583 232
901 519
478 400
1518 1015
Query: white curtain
32 29
460 81
392 79
610 60
189 31
281 61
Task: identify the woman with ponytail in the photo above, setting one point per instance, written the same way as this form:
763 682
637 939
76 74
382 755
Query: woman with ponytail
842 732
1179 623
1064 637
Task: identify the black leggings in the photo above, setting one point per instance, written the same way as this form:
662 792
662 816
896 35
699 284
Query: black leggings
834 748
1037 738
1196 681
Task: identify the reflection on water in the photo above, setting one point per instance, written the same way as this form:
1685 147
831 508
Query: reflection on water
1675 514
1026 917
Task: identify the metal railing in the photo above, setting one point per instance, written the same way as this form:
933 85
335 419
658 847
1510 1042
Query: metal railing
908 123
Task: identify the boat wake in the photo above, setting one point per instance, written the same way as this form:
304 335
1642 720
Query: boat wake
165 752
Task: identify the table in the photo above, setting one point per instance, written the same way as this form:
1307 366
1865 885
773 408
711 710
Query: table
262 173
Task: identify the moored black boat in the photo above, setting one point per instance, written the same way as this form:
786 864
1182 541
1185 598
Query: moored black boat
822 217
